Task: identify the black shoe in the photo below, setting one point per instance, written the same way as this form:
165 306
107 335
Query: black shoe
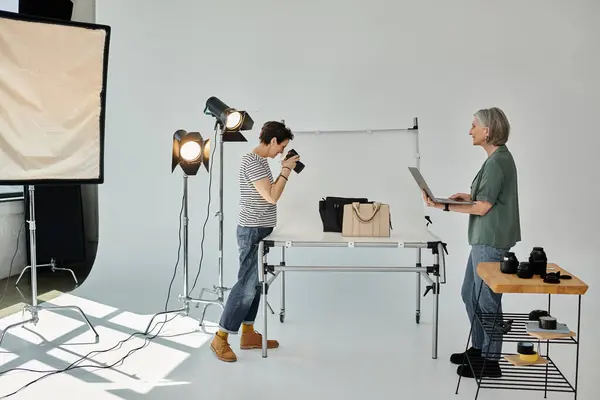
491 369
459 358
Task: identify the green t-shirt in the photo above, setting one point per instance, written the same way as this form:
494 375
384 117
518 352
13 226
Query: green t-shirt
496 182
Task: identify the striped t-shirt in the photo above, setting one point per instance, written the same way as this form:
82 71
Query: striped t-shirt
255 211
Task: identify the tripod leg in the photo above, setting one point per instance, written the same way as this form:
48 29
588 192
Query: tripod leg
70 270
203 313
13 326
21 275
74 308
215 303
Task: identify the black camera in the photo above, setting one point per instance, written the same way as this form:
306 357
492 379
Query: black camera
299 165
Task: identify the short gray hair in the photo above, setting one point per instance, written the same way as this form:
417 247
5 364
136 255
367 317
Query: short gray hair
495 120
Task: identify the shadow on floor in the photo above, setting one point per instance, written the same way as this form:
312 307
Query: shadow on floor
50 284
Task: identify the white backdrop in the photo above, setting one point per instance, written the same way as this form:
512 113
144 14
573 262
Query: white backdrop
363 171
335 65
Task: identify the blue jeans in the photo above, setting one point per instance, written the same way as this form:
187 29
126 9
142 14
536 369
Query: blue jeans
489 302
244 298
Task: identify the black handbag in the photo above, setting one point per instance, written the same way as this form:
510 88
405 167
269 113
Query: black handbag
331 210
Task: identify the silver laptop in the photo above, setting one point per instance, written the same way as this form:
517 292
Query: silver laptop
423 185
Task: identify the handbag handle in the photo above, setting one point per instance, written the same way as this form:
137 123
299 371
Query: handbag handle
360 216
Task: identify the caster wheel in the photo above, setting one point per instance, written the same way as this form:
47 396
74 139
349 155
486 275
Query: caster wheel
281 317
418 318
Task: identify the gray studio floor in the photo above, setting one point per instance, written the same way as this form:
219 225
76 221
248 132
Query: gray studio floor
354 347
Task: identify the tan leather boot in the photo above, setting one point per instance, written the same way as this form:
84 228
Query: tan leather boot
222 350
253 340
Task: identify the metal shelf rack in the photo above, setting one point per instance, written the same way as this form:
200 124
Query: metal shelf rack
511 328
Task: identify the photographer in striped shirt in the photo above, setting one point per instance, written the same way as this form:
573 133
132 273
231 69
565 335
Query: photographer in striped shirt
259 194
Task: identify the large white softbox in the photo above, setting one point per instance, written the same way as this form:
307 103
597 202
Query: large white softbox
52 100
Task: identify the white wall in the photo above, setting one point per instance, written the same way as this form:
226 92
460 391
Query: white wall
11 213
9 5
344 65
332 65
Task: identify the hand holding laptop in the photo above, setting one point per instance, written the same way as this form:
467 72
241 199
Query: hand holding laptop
458 198
429 201
461 197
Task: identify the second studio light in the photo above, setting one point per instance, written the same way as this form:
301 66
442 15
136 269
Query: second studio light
232 121
190 151
228 124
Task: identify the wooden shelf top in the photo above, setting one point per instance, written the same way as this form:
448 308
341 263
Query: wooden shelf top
511 283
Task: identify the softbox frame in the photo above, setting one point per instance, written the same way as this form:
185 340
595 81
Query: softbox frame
52 100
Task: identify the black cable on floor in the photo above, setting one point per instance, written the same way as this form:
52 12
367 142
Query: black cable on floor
146 340
74 366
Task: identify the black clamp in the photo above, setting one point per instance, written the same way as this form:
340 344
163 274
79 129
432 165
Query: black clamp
428 219
433 246
434 287
267 245
269 269
433 269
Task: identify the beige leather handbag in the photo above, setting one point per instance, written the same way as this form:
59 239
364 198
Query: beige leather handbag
368 220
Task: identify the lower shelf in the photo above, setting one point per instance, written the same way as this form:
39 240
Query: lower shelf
518 330
531 377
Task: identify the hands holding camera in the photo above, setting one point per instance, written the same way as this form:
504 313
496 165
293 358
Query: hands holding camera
290 163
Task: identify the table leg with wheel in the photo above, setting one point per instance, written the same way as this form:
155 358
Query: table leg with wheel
262 279
418 312
282 313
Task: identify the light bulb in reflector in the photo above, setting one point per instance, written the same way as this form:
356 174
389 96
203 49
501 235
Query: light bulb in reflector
233 120
229 119
190 151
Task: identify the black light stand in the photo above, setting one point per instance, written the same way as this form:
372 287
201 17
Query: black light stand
189 152
229 122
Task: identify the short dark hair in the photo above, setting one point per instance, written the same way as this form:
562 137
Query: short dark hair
277 130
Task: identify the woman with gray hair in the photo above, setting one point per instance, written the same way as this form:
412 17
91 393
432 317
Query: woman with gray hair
494 228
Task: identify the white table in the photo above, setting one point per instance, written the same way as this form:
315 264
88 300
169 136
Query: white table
418 239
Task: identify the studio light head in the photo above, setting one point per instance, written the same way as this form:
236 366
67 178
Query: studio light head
231 120
189 151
